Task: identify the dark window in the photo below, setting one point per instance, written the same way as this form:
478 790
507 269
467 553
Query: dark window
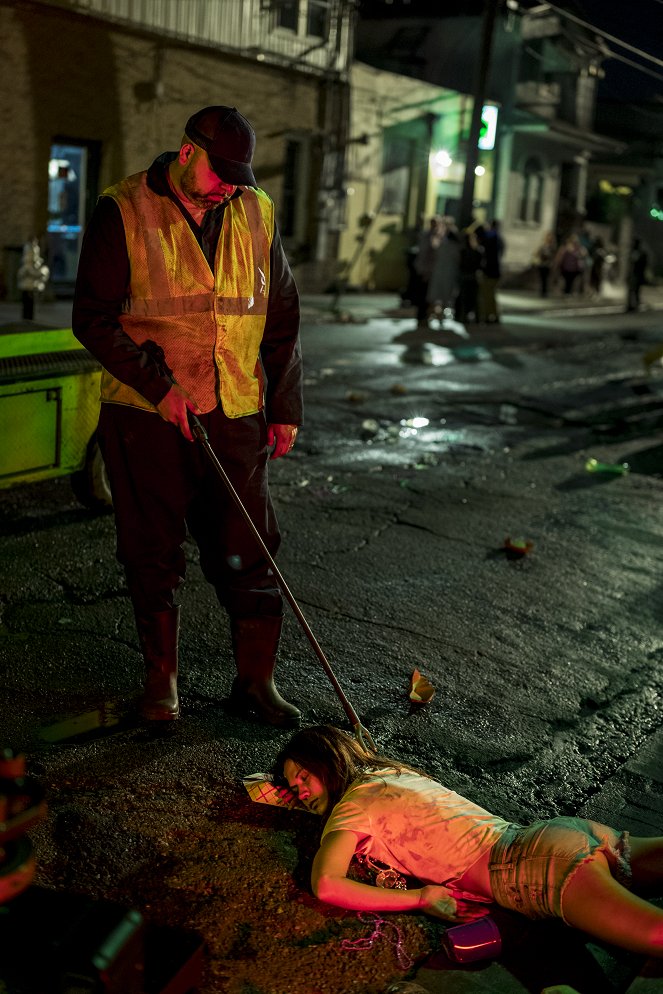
532 195
288 205
317 18
287 14
73 170
396 167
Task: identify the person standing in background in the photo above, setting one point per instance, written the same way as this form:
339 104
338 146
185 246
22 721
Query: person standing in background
637 269
543 260
493 246
570 262
597 267
470 261
428 244
443 284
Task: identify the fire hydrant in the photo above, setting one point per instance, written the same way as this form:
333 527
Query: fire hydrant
32 277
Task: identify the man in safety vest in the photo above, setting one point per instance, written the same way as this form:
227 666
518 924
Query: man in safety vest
185 297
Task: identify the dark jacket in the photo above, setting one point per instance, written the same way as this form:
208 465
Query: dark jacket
102 289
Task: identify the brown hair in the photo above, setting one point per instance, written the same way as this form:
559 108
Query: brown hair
334 757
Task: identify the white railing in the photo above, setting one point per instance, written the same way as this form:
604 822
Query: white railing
245 27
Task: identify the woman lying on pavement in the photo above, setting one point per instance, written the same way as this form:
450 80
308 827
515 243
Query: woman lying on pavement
386 816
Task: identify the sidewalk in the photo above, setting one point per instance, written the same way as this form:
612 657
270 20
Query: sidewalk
353 307
350 308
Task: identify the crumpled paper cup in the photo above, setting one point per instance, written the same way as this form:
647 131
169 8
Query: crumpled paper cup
262 790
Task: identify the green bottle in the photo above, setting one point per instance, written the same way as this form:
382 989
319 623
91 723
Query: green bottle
594 466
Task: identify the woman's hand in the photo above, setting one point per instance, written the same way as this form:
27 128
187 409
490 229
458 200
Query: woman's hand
287 796
439 902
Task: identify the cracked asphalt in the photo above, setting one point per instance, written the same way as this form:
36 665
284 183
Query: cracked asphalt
547 667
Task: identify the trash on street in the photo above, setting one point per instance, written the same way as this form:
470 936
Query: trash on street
421 690
618 469
518 546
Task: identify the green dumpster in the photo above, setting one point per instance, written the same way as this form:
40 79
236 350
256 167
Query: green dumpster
49 409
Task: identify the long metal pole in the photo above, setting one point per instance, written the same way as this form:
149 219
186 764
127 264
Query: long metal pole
362 734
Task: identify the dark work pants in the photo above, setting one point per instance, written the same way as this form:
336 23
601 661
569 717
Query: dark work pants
569 279
163 485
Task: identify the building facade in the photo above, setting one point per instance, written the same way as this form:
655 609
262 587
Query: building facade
405 163
550 162
95 89
362 126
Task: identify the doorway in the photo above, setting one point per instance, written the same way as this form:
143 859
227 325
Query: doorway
72 172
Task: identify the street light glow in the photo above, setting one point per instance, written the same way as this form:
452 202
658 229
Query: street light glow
440 161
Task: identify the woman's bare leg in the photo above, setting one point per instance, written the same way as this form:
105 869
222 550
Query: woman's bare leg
594 902
647 865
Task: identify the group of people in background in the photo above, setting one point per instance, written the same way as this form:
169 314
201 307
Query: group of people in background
580 262
456 272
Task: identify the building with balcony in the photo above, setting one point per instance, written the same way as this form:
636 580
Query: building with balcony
550 162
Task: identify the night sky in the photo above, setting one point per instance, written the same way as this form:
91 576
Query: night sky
638 22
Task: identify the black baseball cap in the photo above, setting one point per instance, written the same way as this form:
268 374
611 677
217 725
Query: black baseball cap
229 141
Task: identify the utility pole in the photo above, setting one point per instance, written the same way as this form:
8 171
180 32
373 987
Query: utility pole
472 155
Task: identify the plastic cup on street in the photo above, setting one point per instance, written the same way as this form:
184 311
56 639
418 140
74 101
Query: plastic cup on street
474 941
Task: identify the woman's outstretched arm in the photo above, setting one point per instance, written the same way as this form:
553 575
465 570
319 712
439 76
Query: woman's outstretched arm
330 883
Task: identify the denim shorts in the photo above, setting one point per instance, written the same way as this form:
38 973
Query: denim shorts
530 867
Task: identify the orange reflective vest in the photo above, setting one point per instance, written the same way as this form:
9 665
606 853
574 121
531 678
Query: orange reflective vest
209 324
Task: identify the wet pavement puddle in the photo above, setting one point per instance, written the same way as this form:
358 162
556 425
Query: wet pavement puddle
107 718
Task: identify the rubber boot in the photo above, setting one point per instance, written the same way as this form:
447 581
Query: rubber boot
255 643
158 634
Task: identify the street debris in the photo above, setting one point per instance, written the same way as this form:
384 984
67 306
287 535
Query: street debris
508 414
471 353
369 428
375 431
421 690
518 546
654 355
617 469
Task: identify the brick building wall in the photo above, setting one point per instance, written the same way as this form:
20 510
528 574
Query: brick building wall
69 76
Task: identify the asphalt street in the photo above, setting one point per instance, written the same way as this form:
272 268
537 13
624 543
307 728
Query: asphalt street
438 514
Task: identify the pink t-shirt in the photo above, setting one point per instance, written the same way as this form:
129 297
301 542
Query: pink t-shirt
415 825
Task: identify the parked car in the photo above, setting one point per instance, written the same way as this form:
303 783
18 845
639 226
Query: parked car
49 410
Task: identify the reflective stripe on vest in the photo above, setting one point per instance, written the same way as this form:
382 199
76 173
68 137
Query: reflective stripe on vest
209 325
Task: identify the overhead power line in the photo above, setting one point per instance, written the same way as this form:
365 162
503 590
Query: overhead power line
609 37
636 65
